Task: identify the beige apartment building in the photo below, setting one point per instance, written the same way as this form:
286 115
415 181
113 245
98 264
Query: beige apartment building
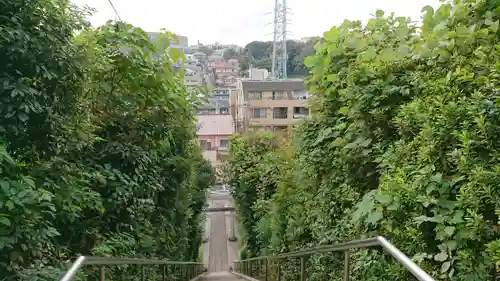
269 105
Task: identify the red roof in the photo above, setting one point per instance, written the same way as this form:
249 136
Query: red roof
222 64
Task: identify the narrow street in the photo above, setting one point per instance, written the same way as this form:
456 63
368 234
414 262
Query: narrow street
219 253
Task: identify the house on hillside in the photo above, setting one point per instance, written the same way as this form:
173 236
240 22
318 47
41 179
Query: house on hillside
213 134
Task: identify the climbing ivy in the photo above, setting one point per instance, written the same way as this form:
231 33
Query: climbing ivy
402 144
97 149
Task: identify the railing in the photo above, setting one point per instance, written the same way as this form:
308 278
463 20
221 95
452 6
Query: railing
145 269
301 116
253 267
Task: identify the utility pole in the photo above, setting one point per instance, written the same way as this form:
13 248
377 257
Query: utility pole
278 70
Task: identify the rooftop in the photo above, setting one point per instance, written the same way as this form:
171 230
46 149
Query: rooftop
210 125
223 64
273 85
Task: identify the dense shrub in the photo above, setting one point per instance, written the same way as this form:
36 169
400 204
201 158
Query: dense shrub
98 155
403 144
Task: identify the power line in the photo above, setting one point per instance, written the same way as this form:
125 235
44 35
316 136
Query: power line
114 9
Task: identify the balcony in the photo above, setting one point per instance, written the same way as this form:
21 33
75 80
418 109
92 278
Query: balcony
269 102
300 112
301 116
270 122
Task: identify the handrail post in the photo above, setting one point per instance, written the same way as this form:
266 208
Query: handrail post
259 267
248 267
346 265
302 268
279 271
102 273
266 268
158 268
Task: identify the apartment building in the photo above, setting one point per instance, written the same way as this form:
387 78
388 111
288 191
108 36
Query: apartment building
180 44
193 77
258 73
228 81
217 104
269 105
213 134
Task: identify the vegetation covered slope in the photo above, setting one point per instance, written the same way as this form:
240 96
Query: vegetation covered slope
259 54
97 154
404 143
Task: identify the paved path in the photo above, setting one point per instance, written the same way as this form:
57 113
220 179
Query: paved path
221 276
219 252
218 260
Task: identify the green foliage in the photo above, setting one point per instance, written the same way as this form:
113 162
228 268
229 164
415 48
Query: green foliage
259 55
251 183
403 144
99 156
230 54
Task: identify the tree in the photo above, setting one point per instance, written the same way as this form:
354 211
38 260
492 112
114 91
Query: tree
259 54
100 156
399 145
41 76
230 54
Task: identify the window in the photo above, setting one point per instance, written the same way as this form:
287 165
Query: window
224 143
221 97
206 145
279 95
300 95
300 112
259 113
280 112
255 95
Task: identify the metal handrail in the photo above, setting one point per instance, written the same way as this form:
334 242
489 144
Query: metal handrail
413 268
103 261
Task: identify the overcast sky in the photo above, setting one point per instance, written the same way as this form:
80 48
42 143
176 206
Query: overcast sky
240 22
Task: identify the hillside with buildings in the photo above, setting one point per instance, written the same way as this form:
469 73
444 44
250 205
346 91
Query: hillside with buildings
240 96
241 100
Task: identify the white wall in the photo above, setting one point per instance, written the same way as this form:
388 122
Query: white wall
258 74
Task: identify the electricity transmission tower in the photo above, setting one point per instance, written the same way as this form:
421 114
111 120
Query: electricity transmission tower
278 70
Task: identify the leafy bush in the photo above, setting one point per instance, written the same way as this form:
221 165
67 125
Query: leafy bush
99 155
402 144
